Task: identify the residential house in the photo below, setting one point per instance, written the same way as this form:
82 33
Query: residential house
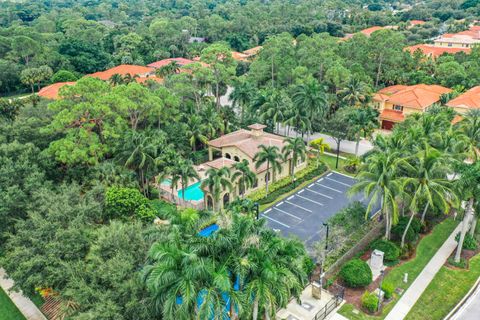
140 73
244 144
467 101
51 91
247 55
434 52
396 102
162 63
464 39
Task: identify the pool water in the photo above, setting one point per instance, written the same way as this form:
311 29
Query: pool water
193 192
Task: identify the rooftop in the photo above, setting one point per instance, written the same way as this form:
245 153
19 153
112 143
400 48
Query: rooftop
368 32
392 115
164 62
219 163
435 52
419 96
123 70
51 91
467 100
416 22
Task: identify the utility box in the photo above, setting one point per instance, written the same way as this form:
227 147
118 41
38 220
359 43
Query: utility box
316 290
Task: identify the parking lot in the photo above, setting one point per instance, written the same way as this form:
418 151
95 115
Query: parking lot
303 213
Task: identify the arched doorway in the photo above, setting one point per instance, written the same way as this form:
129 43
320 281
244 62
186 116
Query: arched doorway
236 159
226 199
228 156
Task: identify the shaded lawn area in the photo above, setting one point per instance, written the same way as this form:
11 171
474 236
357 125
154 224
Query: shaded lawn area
426 249
8 311
444 292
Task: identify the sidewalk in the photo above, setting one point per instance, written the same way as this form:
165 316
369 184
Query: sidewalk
406 302
25 305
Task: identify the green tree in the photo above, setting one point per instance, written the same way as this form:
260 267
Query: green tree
187 172
294 149
196 131
363 122
241 96
271 156
63 76
217 181
244 175
25 48
124 203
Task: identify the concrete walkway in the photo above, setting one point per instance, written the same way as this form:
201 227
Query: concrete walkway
25 305
407 301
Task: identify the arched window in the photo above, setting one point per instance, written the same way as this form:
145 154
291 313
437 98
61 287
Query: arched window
228 156
236 159
226 199
209 203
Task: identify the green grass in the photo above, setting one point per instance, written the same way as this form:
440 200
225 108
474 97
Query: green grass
445 291
330 162
426 249
8 311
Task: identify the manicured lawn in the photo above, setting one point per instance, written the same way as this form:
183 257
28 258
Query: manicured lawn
445 291
8 311
426 249
330 162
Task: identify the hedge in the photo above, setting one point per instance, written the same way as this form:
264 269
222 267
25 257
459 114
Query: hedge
356 273
370 301
388 289
391 250
282 186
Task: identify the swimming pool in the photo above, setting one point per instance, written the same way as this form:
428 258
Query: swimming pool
193 192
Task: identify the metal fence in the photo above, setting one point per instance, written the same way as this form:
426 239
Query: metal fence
329 307
199 205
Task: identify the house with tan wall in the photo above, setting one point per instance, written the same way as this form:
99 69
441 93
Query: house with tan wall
244 144
396 102
466 101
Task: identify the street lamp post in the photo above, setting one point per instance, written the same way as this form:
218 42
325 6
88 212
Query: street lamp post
257 209
326 238
382 273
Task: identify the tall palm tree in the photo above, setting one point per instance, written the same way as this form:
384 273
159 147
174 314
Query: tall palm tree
186 172
299 120
116 79
196 131
274 108
426 179
171 68
311 98
246 177
216 181
271 156
364 121
355 92
379 181
294 149
470 127
241 96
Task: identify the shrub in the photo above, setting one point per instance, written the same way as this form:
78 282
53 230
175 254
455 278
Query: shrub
462 264
63 76
370 301
469 242
413 230
356 273
391 250
388 289
123 202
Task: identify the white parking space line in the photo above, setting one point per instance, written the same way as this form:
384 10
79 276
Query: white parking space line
280 223
320 194
296 205
290 198
300 191
291 215
267 211
320 204
321 185
328 175
342 183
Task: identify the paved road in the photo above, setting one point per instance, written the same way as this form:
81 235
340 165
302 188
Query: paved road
471 309
413 293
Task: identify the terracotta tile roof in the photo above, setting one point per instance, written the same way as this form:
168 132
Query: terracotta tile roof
467 100
164 62
473 32
435 52
123 70
392 115
145 79
419 96
247 142
253 51
457 119
368 32
392 89
416 22
220 163
239 56
51 91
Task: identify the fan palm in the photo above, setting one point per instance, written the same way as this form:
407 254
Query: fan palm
379 181
216 181
294 149
271 156
246 177
355 92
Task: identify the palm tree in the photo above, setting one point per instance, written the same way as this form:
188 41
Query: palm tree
116 79
363 121
171 68
427 181
355 92
318 147
271 156
294 149
470 127
299 120
310 97
216 182
246 177
241 96
379 181
274 108
186 172
195 131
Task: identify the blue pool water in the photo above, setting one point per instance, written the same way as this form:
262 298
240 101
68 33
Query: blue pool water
193 192
206 232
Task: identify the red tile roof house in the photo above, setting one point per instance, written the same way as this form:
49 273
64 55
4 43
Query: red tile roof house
143 73
51 91
467 101
161 63
396 102
434 52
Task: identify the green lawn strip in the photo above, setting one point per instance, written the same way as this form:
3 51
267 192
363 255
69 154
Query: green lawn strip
447 288
426 249
330 161
8 310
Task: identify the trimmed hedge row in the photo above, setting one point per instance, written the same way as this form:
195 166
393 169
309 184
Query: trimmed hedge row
285 185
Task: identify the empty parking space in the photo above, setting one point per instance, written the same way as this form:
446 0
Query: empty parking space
303 213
